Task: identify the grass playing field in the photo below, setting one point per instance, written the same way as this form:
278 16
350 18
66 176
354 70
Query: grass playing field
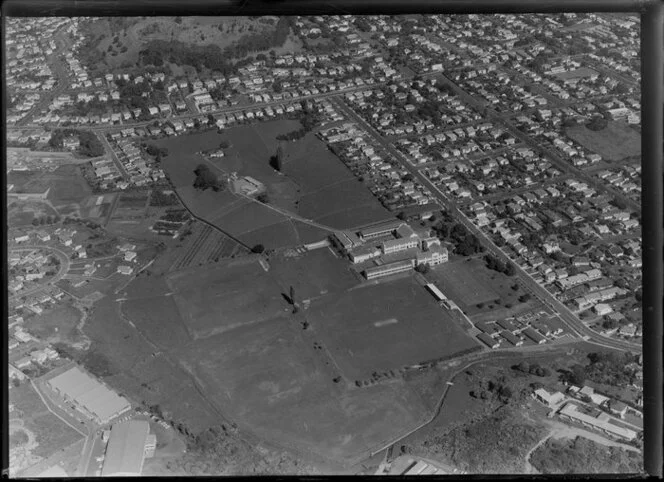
386 327
330 193
314 184
617 141
275 384
313 274
224 296
465 283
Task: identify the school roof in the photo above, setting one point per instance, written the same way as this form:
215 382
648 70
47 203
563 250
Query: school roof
381 228
88 392
126 448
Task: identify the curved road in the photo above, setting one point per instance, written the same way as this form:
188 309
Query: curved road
64 267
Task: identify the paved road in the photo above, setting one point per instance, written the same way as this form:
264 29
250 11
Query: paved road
568 318
60 71
106 128
74 419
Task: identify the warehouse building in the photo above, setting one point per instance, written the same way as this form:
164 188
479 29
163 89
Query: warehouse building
129 444
388 269
89 396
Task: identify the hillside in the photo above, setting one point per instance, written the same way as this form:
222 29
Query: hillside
583 456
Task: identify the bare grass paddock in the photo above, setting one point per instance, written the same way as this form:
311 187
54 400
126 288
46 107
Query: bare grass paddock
51 433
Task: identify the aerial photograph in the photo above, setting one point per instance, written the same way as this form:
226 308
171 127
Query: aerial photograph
324 245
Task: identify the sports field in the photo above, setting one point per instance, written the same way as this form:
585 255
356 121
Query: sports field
617 141
384 327
226 295
66 184
330 193
463 283
313 274
21 213
314 185
272 382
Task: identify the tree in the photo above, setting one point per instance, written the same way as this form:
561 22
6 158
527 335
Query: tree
210 120
205 179
259 248
577 375
524 297
423 268
597 123
277 160
263 198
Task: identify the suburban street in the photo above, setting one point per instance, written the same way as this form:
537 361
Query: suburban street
62 270
569 318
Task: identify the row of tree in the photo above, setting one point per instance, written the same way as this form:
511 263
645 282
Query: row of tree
492 262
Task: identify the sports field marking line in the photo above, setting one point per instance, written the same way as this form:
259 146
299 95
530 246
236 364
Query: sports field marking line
389 321
350 178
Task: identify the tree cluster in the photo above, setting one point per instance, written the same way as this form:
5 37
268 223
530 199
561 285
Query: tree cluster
160 198
465 242
611 368
90 145
576 375
309 121
492 262
423 268
597 123
154 150
206 179
532 369
210 56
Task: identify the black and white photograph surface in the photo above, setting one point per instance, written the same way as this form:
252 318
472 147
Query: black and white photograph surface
336 244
